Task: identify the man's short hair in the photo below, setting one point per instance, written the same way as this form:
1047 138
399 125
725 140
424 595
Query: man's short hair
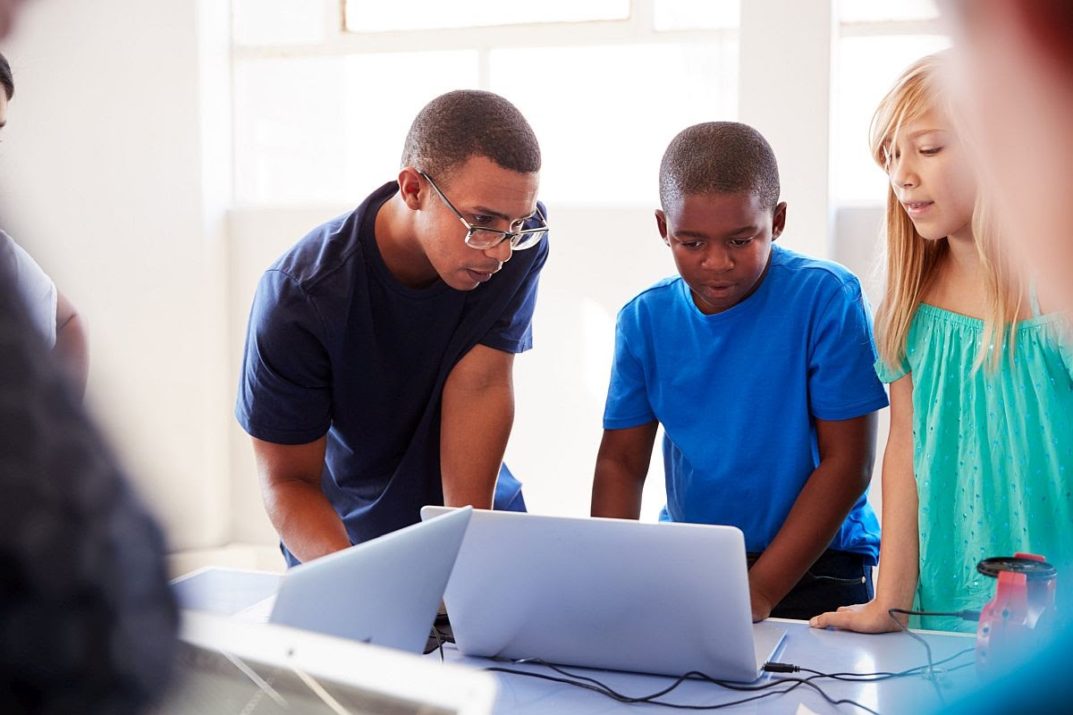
719 158
6 80
465 123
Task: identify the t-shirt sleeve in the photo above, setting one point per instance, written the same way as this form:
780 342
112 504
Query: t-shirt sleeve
842 380
37 291
513 330
627 396
284 393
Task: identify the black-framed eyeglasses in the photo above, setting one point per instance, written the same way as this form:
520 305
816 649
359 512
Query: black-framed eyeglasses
483 238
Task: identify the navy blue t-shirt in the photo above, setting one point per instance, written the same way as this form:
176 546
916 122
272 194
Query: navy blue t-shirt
338 345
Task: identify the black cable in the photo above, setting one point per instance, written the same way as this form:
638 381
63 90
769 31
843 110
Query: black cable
966 615
779 686
619 697
876 677
930 675
592 684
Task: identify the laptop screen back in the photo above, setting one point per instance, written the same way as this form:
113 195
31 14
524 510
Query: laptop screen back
604 593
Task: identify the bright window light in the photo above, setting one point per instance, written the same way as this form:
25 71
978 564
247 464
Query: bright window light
885 11
601 135
317 130
279 22
867 68
696 14
380 16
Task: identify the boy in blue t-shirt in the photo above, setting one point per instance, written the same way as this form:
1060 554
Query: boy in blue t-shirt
757 361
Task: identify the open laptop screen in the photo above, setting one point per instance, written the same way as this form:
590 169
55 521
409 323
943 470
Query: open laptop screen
227 666
210 681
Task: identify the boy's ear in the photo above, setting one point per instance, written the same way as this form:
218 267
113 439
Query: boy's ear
661 224
410 187
778 221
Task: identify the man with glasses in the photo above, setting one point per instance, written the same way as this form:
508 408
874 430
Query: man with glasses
377 374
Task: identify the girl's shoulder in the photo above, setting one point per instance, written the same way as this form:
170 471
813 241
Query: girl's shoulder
951 339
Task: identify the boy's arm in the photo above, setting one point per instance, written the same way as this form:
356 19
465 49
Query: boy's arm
847 451
901 544
621 468
477 415
290 487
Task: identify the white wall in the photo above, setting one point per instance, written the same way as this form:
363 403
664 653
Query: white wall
113 172
784 91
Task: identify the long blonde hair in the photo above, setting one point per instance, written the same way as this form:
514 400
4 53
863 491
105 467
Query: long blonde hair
911 259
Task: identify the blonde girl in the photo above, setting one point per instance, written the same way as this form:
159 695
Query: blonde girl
979 461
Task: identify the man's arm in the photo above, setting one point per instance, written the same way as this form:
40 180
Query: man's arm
296 505
621 468
899 558
475 422
71 343
847 451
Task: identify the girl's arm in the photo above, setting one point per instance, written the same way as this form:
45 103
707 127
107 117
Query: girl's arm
901 545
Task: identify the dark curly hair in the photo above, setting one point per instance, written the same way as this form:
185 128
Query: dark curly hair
719 158
465 123
87 620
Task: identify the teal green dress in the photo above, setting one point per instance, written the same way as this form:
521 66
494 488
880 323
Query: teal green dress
992 454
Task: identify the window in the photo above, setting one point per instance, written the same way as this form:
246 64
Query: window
610 111
279 22
379 16
312 130
320 114
861 11
322 103
878 41
692 15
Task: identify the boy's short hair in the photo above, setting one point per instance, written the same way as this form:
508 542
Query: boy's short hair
465 123
719 157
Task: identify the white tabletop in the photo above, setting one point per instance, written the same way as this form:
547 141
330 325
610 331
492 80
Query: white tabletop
825 651
229 591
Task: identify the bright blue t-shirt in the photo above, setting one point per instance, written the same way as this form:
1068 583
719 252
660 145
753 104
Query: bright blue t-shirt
337 345
738 393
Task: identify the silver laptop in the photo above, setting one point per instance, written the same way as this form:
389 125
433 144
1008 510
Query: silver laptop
607 593
384 591
229 666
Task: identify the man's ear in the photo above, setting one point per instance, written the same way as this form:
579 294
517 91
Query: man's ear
411 187
661 224
778 221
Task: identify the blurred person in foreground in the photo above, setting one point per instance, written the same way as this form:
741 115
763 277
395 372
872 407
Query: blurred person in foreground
1015 74
1014 62
87 622
52 312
